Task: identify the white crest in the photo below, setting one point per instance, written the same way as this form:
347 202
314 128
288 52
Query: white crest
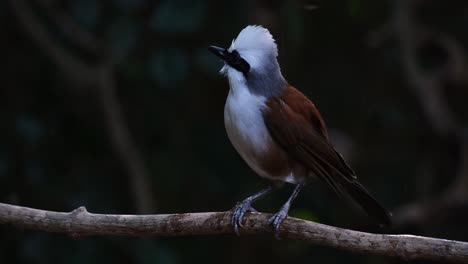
256 45
255 38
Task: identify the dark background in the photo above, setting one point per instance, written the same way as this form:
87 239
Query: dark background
118 106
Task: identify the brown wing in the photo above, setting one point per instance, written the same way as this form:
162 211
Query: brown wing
296 125
301 105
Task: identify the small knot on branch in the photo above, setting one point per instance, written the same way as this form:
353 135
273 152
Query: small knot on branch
75 220
79 210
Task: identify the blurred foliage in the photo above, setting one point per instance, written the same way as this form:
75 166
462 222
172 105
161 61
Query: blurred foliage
179 17
55 151
168 67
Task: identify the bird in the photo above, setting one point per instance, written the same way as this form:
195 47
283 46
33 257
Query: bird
279 132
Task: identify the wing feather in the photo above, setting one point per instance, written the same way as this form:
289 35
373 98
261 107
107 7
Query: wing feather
296 125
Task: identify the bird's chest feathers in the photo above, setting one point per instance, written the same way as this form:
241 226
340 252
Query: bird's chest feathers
243 118
244 123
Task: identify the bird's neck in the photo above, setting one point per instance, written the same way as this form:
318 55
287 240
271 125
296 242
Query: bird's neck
263 84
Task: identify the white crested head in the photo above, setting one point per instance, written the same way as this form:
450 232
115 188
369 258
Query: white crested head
256 45
252 60
255 39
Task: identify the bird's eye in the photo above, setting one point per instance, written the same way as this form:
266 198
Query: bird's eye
236 56
235 53
236 61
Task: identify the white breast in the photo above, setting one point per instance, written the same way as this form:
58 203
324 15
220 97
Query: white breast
243 117
244 124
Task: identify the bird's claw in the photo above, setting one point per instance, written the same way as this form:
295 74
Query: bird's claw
238 213
275 221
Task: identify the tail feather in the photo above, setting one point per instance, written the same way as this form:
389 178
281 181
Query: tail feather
348 184
367 202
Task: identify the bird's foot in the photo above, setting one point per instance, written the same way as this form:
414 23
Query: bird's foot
238 213
276 219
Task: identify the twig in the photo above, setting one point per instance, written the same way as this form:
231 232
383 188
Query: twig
80 223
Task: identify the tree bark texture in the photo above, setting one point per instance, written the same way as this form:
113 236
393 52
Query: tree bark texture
80 222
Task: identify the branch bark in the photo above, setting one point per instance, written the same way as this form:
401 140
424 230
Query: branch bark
80 223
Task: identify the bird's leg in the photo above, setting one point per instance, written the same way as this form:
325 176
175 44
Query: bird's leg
277 218
246 205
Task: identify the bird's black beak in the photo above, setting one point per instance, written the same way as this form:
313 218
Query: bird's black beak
220 52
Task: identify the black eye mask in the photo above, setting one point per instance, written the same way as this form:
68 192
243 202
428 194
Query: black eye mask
234 60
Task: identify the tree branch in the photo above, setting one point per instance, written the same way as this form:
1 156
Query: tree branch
81 223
